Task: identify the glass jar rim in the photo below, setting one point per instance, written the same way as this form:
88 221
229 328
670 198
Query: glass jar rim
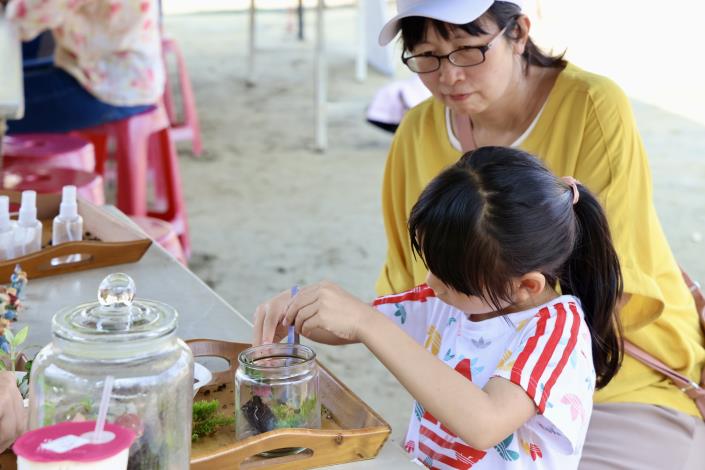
249 357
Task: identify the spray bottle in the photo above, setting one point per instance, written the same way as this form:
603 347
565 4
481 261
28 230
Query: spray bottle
68 225
7 243
28 234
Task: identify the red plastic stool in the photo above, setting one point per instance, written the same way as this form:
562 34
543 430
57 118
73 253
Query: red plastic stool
48 150
136 138
163 233
188 128
51 180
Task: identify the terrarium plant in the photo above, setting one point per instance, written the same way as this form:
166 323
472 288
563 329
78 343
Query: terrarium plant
290 416
11 353
278 414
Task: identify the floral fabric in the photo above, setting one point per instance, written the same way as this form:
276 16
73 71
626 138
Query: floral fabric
112 47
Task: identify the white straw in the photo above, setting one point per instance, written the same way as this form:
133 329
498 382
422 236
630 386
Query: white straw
103 410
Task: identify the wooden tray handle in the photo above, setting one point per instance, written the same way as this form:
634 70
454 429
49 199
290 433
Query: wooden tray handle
331 446
223 349
92 254
289 438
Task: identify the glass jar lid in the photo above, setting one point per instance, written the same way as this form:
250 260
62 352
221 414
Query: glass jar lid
117 317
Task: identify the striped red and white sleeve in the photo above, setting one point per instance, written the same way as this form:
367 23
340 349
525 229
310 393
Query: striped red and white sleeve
410 310
551 359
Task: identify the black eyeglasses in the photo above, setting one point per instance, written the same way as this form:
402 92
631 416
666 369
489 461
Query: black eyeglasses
467 56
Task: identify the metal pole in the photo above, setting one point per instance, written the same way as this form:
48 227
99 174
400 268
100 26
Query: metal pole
301 20
361 56
250 80
321 82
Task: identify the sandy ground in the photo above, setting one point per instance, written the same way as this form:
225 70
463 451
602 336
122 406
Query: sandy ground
266 211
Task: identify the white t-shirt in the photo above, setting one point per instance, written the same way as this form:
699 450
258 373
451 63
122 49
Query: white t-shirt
545 350
455 142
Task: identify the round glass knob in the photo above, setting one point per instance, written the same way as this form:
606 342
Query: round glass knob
116 291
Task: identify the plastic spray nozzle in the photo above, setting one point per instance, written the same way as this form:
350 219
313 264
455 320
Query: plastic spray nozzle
68 208
28 208
4 213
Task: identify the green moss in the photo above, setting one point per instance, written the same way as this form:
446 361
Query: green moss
206 419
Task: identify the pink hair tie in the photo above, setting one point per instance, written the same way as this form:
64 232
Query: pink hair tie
573 183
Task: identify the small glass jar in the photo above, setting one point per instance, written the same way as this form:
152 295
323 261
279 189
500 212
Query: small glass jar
276 386
136 343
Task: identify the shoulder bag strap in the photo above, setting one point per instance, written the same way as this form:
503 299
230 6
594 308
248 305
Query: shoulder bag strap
692 389
697 295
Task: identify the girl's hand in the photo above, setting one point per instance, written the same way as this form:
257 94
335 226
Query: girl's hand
268 326
327 307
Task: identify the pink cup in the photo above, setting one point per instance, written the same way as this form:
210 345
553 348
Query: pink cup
67 446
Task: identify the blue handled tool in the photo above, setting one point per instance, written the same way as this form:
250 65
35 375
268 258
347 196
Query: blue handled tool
293 336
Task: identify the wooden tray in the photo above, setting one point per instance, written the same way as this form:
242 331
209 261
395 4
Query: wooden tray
350 429
112 241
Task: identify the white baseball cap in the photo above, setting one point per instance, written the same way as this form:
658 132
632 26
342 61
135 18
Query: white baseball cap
449 11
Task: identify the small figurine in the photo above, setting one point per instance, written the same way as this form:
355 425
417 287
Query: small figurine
9 303
4 343
18 280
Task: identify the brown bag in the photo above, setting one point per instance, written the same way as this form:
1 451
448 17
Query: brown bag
693 390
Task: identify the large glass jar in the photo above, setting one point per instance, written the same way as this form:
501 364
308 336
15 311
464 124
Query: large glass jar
276 386
135 342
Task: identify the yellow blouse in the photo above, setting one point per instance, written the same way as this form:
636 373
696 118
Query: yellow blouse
586 130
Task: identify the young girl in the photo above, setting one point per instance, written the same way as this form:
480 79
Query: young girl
502 366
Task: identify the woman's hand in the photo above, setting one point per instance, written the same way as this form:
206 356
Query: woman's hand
326 308
268 320
13 419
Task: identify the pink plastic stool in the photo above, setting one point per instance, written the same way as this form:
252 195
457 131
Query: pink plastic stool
163 233
137 138
131 136
48 150
188 128
51 180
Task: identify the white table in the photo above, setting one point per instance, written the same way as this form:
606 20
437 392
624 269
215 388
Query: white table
202 314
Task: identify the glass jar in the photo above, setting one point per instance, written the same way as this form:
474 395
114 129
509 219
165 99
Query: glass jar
135 342
276 386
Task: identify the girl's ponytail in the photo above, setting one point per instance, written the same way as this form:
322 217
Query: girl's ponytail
592 274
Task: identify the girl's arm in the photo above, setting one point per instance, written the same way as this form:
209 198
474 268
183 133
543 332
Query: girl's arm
480 417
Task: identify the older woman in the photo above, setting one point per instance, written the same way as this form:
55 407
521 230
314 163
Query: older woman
491 85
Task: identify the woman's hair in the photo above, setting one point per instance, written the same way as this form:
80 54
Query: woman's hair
498 214
504 14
